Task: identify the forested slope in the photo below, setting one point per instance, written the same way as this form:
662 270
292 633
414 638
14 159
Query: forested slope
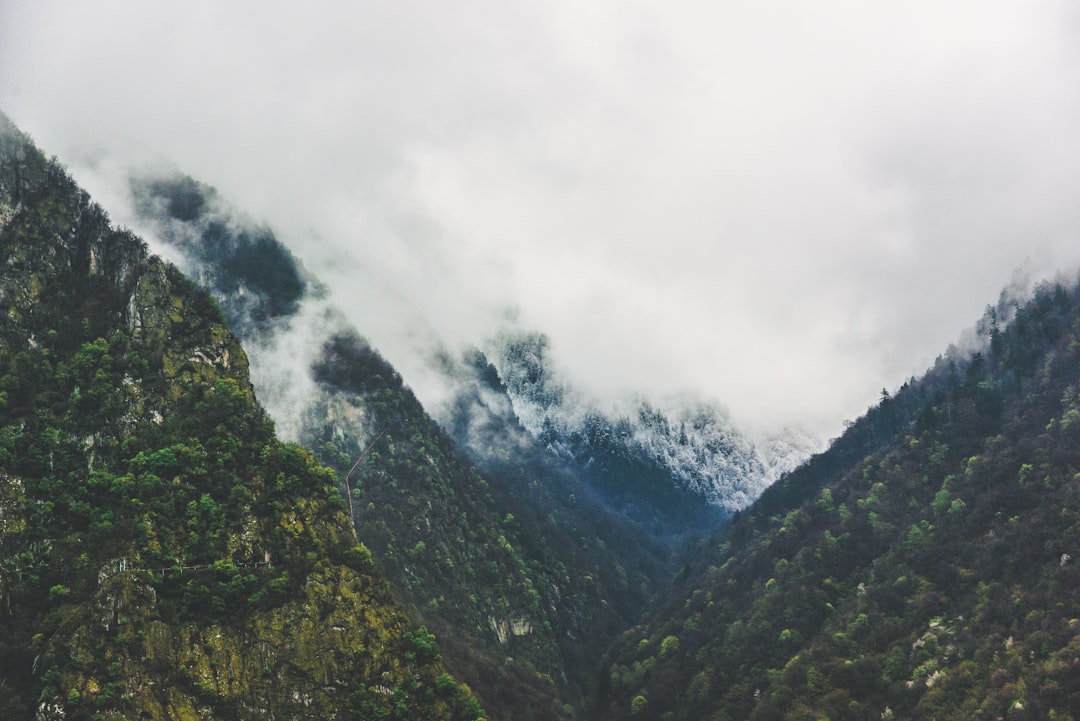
162 555
524 583
922 568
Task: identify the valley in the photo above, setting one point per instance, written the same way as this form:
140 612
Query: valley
519 550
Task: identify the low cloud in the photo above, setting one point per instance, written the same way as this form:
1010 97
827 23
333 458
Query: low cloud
781 206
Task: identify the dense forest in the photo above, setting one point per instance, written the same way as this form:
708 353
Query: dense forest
521 572
163 555
920 568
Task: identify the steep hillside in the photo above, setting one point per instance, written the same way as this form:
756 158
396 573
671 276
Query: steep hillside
923 567
162 555
672 470
685 461
527 605
524 584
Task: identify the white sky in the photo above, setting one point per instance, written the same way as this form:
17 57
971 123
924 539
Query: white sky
782 205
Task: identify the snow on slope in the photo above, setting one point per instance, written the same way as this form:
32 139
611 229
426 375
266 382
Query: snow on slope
692 440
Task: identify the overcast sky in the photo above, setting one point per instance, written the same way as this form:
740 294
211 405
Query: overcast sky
782 205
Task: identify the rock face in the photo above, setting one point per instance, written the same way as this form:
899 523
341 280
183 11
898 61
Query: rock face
526 583
163 555
531 563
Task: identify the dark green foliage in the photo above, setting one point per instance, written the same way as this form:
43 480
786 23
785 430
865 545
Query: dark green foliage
618 473
162 555
634 485
440 530
930 578
152 527
184 198
524 583
232 252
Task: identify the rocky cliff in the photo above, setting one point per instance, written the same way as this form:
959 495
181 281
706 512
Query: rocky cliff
163 555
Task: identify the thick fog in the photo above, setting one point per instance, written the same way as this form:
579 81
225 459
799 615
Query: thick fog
784 206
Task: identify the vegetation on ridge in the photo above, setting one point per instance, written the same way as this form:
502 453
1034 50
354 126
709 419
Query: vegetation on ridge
162 555
524 583
932 577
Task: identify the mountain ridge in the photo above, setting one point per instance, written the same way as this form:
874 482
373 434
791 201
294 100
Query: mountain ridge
163 555
919 568
525 594
131 448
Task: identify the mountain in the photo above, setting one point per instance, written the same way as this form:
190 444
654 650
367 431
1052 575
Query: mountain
163 555
686 457
920 568
679 469
524 582
676 470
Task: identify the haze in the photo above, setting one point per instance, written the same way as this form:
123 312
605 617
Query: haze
784 206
